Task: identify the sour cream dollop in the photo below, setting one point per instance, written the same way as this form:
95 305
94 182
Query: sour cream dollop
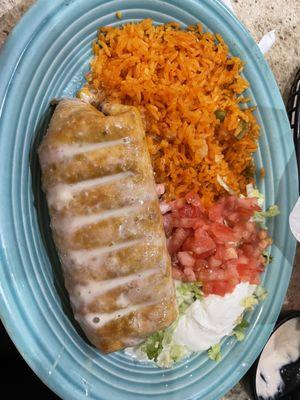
207 321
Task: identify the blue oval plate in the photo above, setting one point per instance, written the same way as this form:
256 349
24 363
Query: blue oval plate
47 56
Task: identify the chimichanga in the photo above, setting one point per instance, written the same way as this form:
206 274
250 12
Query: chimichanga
106 223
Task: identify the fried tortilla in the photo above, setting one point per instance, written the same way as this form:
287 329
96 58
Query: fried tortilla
106 223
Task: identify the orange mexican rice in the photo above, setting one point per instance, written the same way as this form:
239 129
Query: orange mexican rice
200 133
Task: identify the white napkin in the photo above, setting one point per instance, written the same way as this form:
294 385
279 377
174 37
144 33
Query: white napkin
267 41
229 5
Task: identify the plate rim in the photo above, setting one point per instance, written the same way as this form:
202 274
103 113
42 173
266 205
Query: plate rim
39 13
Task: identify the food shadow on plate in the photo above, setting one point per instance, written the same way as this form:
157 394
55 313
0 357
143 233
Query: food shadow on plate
43 218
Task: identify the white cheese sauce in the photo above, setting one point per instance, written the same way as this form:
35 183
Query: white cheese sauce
97 320
87 256
62 193
71 224
283 348
93 289
64 152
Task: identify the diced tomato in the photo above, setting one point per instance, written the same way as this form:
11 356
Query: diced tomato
193 198
187 222
210 274
168 224
220 246
234 281
233 217
241 232
244 272
244 213
164 207
200 263
223 233
202 244
223 287
263 234
243 259
177 239
190 211
251 227
262 260
160 189
230 253
207 288
186 259
188 244
256 251
215 212
198 250
201 234
175 221
220 251
177 204
229 204
263 244
189 274
231 266
201 222
246 249
218 287
206 254
177 273
214 262
255 280
253 264
249 203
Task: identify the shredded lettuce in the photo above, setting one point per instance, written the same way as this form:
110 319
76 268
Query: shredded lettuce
223 184
153 345
171 351
253 192
160 347
214 353
260 293
239 330
272 211
186 294
250 302
260 216
268 257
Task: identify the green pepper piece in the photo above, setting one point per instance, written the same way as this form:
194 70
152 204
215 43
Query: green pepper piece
220 114
241 130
